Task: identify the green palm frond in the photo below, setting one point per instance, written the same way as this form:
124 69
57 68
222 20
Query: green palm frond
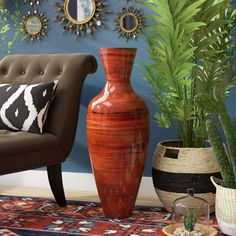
162 120
189 44
183 110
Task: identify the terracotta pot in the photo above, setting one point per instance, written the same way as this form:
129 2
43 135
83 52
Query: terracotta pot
225 207
176 169
117 134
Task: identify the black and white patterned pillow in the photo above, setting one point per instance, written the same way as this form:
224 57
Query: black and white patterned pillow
24 107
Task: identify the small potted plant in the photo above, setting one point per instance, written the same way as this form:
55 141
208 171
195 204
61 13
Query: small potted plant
190 217
187 42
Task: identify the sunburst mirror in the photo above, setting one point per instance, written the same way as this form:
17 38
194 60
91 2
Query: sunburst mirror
32 2
35 25
82 17
129 23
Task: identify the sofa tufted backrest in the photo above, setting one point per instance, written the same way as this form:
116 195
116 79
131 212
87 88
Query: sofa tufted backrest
70 70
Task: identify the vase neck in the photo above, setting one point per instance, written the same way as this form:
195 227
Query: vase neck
117 63
118 87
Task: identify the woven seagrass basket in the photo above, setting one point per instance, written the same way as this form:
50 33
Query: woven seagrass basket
225 207
176 169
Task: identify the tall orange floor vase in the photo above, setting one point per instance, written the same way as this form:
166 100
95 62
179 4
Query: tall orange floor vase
117 134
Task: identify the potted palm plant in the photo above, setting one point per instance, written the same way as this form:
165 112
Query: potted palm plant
186 42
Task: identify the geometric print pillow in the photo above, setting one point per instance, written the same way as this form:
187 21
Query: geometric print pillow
24 107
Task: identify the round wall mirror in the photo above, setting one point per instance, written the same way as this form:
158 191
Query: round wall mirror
35 25
129 23
81 17
80 11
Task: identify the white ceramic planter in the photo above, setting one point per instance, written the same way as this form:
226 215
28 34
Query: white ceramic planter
225 207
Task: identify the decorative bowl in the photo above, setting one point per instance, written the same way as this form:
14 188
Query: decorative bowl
168 230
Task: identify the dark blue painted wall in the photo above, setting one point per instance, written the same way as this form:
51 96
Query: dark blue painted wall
56 42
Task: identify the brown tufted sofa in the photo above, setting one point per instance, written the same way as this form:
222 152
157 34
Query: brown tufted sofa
21 151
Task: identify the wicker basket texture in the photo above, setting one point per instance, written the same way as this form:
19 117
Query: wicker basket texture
225 207
175 169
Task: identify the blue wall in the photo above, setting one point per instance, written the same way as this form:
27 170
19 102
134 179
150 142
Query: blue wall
58 42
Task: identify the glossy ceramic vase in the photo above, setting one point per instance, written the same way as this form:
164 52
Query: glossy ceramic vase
117 134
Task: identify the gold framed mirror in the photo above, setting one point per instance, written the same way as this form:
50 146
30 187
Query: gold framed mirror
83 13
129 23
35 25
81 17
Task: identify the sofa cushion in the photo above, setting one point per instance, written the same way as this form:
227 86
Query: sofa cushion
23 150
24 107
25 142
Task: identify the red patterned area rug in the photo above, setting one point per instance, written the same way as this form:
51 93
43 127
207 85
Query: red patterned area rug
42 217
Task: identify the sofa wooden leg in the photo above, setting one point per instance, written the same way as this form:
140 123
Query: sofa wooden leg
55 181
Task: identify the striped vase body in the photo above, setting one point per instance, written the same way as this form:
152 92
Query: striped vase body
117 134
176 169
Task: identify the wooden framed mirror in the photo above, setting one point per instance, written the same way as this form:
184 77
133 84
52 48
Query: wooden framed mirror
81 17
35 25
129 23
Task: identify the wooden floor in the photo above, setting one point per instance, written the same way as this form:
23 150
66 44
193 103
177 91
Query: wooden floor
70 195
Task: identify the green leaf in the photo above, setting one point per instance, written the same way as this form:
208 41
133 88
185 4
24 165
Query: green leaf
190 11
4 29
207 103
9 44
162 120
212 12
180 6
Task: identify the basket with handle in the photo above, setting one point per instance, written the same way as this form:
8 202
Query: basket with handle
225 207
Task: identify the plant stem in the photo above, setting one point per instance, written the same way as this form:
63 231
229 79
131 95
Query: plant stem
231 140
222 158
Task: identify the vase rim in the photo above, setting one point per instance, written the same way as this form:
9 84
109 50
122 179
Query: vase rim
219 184
175 144
118 48
118 51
